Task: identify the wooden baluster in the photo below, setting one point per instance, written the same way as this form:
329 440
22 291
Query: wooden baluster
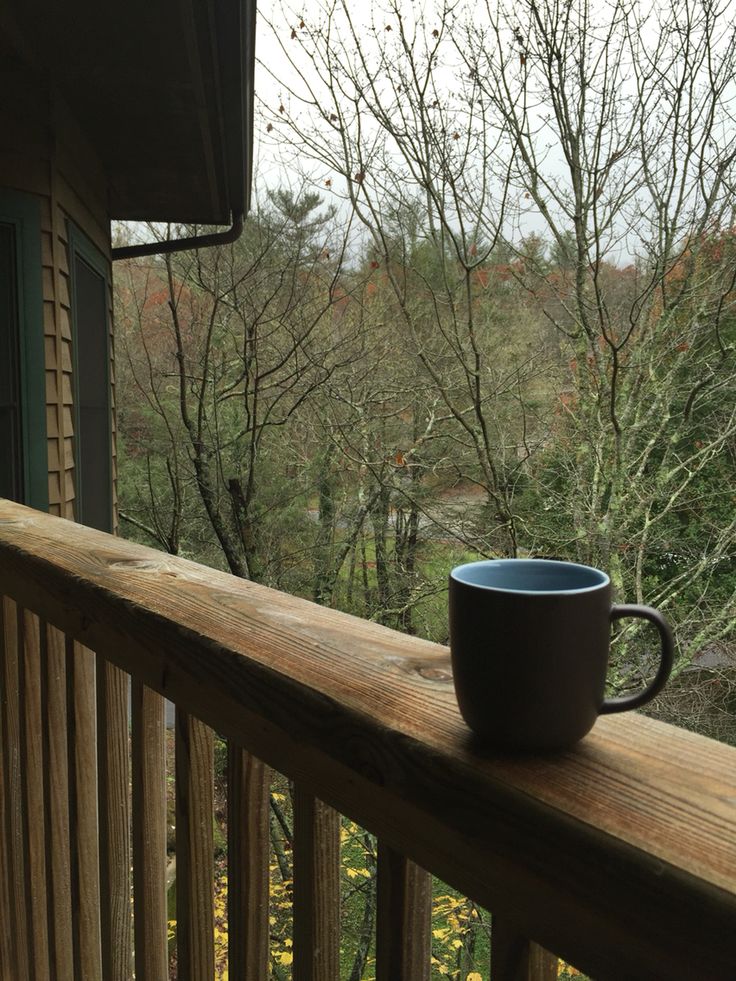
56 790
84 842
194 849
6 942
403 918
316 889
149 834
516 958
12 830
114 774
7 969
32 780
542 964
248 849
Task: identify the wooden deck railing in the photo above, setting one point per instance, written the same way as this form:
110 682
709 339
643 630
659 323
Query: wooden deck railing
619 855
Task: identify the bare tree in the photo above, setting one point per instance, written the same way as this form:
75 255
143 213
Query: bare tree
452 133
400 134
226 351
632 105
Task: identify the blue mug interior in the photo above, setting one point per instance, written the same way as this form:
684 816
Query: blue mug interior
530 576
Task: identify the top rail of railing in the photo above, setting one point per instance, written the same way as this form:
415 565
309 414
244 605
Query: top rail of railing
619 855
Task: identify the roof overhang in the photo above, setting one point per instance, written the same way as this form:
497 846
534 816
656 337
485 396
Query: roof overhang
163 90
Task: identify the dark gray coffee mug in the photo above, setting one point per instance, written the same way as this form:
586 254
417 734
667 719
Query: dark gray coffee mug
530 641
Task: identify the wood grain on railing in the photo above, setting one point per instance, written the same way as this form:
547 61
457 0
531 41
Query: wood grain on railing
195 927
56 769
148 755
403 918
13 830
316 889
619 854
83 811
31 772
114 774
248 851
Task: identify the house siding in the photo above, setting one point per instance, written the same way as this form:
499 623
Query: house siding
44 154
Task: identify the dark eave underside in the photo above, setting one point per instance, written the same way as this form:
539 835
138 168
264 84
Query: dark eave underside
163 90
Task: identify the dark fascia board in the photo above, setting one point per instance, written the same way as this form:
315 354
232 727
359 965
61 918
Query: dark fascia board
237 38
162 90
223 57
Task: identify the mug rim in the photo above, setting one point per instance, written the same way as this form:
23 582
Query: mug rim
456 575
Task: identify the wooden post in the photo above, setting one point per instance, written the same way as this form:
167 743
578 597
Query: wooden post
403 918
6 940
516 958
85 853
248 850
114 775
316 889
12 830
195 926
149 833
31 773
56 790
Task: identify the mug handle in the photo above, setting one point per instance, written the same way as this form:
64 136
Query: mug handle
667 658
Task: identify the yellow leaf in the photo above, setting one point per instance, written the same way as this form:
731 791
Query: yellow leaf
286 958
474 976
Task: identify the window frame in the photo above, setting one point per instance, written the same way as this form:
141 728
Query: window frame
81 246
23 212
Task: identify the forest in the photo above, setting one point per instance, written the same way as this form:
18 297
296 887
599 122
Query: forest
482 307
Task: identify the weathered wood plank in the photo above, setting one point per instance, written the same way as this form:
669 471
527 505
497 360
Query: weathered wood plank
149 834
316 889
31 773
83 811
56 792
403 918
367 718
542 964
515 958
12 829
248 850
6 942
114 803
195 927
7 969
